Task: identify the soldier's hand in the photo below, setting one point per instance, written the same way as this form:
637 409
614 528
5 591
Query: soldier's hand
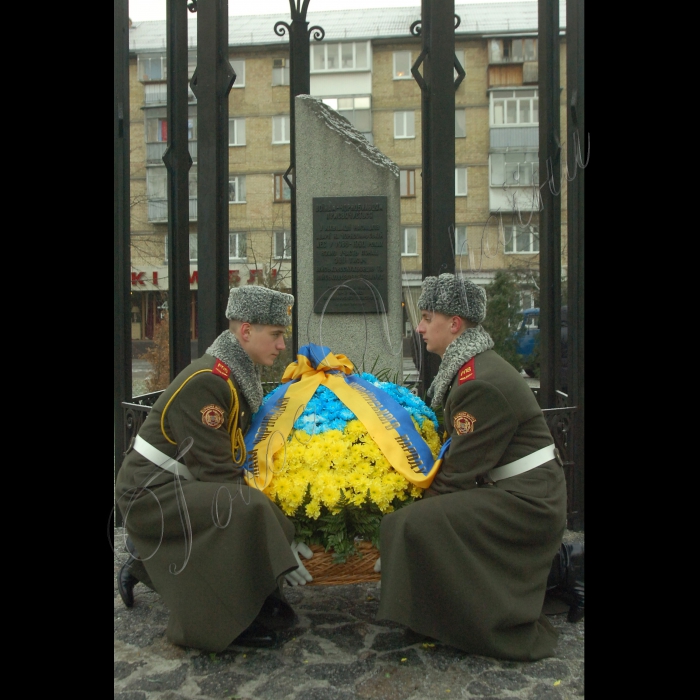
300 576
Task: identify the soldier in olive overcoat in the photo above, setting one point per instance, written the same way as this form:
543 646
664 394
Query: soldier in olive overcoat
468 564
213 548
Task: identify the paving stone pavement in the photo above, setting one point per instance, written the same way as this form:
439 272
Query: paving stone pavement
337 651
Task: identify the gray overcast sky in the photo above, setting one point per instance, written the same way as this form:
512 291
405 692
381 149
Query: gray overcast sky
142 10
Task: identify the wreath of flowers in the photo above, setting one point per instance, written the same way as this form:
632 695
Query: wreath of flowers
332 480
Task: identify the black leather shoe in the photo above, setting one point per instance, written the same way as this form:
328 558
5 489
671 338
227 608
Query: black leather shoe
257 635
565 580
126 582
277 614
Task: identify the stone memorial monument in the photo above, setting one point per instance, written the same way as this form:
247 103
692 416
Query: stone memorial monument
348 253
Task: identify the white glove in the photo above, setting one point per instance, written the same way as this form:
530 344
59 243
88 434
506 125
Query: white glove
378 565
299 576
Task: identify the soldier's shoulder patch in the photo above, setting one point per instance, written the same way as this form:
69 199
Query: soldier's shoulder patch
213 416
464 422
221 369
466 372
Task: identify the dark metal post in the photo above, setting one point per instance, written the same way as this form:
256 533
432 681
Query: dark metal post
550 190
122 227
211 83
299 84
438 146
178 162
577 154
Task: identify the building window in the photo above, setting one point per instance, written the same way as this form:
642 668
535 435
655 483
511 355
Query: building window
236 132
340 57
282 191
512 50
355 109
404 125
407 183
409 242
283 244
156 130
152 67
236 189
280 129
460 182
402 65
280 71
515 168
193 247
461 240
237 249
460 123
521 239
239 69
514 108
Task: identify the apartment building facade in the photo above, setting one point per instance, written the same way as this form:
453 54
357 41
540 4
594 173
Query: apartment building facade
362 69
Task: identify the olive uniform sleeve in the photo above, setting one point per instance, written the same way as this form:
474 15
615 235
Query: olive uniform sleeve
201 410
481 424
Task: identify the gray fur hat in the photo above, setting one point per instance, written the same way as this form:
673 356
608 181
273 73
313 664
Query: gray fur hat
453 296
253 304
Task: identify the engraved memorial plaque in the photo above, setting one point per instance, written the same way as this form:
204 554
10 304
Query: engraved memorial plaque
350 248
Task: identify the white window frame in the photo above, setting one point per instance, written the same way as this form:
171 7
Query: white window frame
398 56
238 65
286 253
513 237
461 241
280 187
351 107
405 124
152 57
463 113
280 72
326 48
236 241
238 124
409 240
521 168
461 191
281 123
407 182
518 98
239 189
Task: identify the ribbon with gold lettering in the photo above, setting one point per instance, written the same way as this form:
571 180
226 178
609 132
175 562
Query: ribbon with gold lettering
387 422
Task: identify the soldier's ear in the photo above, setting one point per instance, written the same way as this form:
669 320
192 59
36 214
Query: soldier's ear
245 330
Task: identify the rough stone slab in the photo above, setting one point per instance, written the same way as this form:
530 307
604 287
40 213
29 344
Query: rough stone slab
334 160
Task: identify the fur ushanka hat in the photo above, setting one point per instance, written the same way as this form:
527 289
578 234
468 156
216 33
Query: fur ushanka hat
253 304
453 296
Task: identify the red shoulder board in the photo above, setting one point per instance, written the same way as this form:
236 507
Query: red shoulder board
221 369
466 372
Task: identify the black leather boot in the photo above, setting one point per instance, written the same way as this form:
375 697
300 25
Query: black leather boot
132 572
565 580
257 635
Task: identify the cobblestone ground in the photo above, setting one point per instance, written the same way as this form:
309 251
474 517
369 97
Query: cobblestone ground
336 652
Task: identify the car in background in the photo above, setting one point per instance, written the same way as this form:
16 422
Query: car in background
526 336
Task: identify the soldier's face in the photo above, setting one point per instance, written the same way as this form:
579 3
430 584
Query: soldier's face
264 343
437 331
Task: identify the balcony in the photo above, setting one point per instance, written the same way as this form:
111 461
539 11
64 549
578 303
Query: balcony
155 151
157 94
158 210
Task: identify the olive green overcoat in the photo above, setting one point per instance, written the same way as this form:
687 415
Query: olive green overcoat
468 563
213 547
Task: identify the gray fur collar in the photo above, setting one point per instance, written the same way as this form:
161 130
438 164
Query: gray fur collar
227 349
460 350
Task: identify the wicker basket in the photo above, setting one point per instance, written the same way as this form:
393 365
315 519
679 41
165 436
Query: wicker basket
354 570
